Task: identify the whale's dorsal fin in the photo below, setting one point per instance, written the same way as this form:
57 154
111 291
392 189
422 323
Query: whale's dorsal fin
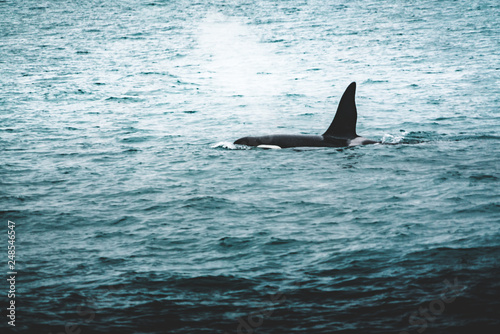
344 123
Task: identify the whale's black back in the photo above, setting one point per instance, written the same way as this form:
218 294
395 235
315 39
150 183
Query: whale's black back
342 131
344 123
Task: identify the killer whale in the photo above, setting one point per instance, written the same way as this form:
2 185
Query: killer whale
341 133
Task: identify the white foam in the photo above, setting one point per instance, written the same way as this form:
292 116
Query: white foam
393 139
225 144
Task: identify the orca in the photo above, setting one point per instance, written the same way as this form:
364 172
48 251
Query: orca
341 133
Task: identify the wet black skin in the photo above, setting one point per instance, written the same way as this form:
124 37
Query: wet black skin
286 141
341 133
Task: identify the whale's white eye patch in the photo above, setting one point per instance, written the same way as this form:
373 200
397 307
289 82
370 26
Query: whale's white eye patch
269 147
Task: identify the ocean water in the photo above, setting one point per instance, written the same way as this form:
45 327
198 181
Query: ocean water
135 213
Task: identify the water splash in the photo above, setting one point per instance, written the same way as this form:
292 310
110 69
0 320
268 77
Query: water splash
236 61
394 139
227 146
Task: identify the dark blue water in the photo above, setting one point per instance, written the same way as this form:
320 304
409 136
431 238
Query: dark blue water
135 214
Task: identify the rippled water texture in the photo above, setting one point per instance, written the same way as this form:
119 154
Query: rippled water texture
135 213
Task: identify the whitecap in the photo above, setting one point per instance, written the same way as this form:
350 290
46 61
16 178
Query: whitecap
393 139
227 145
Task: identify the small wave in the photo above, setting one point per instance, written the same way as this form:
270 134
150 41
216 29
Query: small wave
137 139
210 283
132 150
483 177
207 203
124 99
370 81
160 73
294 95
279 241
417 137
412 137
226 145
474 137
234 242
393 139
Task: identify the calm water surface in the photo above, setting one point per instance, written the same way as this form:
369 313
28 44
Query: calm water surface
135 214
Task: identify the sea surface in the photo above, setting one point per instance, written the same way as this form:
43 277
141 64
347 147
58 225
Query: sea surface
135 213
